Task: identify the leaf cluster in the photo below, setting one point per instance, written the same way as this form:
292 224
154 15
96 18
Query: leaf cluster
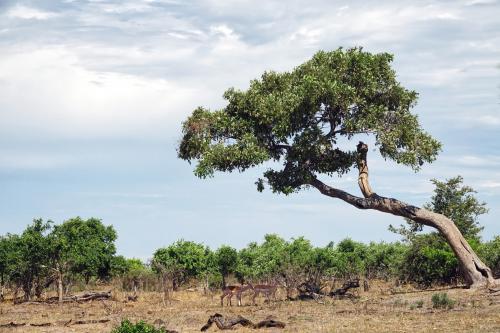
297 118
126 326
75 249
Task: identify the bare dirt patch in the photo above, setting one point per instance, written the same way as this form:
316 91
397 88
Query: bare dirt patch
380 310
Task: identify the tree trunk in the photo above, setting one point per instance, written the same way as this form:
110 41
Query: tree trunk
60 290
475 272
135 288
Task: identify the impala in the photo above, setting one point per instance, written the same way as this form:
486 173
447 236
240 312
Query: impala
232 290
265 289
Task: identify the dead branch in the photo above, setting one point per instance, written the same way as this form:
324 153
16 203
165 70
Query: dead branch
227 324
59 323
12 324
84 322
88 296
342 292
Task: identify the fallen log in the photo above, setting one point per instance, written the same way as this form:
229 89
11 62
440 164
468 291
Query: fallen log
309 291
41 324
342 291
227 324
84 322
12 324
309 296
85 297
58 323
270 323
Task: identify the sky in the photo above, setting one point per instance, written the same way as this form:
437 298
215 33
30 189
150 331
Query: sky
93 94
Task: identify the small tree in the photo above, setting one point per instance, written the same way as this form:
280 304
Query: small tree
247 258
295 264
457 202
29 258
227 260
429 258
81 247
9 257
298 118
262 261
131 271
211 272
384 260
490 251
182 260
349 259
321 266
270 257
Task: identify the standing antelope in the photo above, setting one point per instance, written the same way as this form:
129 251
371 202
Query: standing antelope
264 289
231 290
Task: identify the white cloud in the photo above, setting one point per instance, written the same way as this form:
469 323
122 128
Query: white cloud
481 2
483 120
446 16
126 7
33 160
132 195
308 35
122 72
64 98
490 184
479 161
29 13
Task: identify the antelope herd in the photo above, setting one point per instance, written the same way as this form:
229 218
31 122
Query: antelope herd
264 289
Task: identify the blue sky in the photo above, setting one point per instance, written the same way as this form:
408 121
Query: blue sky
92 95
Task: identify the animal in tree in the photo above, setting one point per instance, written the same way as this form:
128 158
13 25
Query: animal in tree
298 119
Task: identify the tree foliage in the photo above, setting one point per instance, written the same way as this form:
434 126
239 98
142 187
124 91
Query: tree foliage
83 247
490 252
182 260
126 326
74 249
28 258
298 117
227 261
429 258
456 201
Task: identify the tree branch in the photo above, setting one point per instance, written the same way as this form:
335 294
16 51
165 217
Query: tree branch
374 201
476 273
280 146
363 182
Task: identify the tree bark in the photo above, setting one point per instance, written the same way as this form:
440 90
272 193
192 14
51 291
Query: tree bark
60 289
475 272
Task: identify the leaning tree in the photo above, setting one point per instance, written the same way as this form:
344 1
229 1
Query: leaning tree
306 120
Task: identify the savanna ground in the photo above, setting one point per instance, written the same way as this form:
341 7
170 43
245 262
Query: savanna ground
382 309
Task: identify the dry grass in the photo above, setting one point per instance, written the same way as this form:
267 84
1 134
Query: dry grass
380 310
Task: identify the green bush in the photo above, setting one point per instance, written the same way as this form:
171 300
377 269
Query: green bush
442 301
350 259
490 253
140 327
183 260
226 259
429 260
384 260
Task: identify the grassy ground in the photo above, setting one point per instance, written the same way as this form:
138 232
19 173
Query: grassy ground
382 309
